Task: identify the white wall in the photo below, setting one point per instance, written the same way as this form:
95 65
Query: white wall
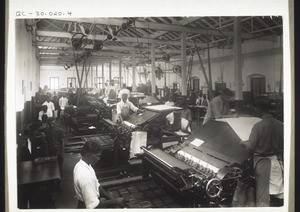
56 71
95 71
267 63
258 62
27 66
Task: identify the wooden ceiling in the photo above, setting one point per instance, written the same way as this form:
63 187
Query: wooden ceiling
53 37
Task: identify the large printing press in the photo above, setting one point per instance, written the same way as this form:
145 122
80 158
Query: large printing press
203 171
95 119
198 170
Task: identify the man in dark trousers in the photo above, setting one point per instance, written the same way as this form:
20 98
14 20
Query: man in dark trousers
87 188
54 136
266 144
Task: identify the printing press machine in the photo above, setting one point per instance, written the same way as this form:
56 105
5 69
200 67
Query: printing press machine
116 137
203 171
152 120
85 118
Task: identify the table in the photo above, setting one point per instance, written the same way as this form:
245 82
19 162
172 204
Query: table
30 172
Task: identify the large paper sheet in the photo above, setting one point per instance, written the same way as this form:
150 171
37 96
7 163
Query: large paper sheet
138 139
162 107
242 126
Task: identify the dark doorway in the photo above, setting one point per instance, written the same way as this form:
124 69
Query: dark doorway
195 84
258 86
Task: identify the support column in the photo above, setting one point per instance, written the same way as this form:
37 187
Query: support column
109 71
133 71
238 66
103 80
153 69
183 64
165 75
125 72
97 70
92 76
210 89
120 74
127 77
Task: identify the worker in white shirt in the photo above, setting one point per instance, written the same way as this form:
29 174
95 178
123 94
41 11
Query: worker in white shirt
124 90
111 90
63 102
50 106
87 188
43 113
124 107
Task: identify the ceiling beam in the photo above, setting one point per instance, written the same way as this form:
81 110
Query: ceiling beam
58 53
163 20
142 32
70 52
53 24
62 63
188 20
155 26
112 48
269 28
183 22
71 59
175 21
103 37
265 25
54 59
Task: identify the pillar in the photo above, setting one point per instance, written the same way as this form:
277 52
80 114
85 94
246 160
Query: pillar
183 64
120 74
237 48
109 71
153 69
133 71
103 80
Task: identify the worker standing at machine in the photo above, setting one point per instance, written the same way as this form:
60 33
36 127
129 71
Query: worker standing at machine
71 89
111 91
202 100
63 103
86 185
266 144
56 106
124 107
124 90
50 107
43 114
219 107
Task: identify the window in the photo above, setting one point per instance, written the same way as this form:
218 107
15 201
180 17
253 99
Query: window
71 80
98 82
54 83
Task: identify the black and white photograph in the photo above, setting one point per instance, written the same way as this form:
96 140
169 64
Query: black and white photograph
134 111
